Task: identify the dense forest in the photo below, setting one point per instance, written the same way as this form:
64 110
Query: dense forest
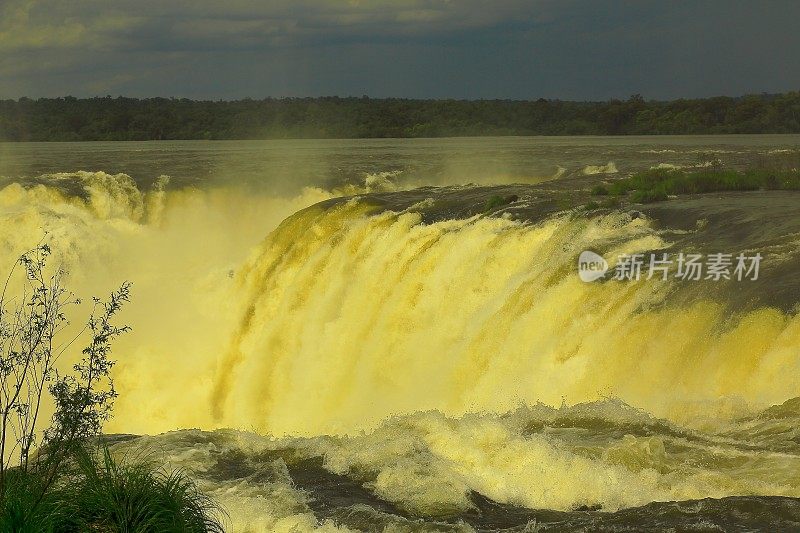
73 119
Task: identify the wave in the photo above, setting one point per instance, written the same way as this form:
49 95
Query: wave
599 455
672 166
609 168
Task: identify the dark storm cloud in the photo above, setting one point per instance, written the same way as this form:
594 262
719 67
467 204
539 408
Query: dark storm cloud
415 48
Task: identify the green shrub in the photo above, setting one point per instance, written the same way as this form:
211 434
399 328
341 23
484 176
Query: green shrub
27 508
493 203
619 188
609 203
134 495
97 493
646 197
52 484
599 190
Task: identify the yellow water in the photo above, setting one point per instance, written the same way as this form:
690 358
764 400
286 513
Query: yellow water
349 317
332 322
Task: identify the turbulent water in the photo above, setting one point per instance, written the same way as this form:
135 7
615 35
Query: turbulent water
390 349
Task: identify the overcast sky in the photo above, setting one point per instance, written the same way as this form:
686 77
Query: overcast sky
576 50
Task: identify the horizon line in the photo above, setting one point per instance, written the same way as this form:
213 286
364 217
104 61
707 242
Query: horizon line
366 97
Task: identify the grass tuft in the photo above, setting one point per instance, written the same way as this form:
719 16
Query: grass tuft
133 495
25 508
100 493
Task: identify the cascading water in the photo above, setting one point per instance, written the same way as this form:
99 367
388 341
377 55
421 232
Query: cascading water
350 317
424 361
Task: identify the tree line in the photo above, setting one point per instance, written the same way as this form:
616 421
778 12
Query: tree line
122 119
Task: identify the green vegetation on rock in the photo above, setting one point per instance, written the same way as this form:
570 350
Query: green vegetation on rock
658 184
